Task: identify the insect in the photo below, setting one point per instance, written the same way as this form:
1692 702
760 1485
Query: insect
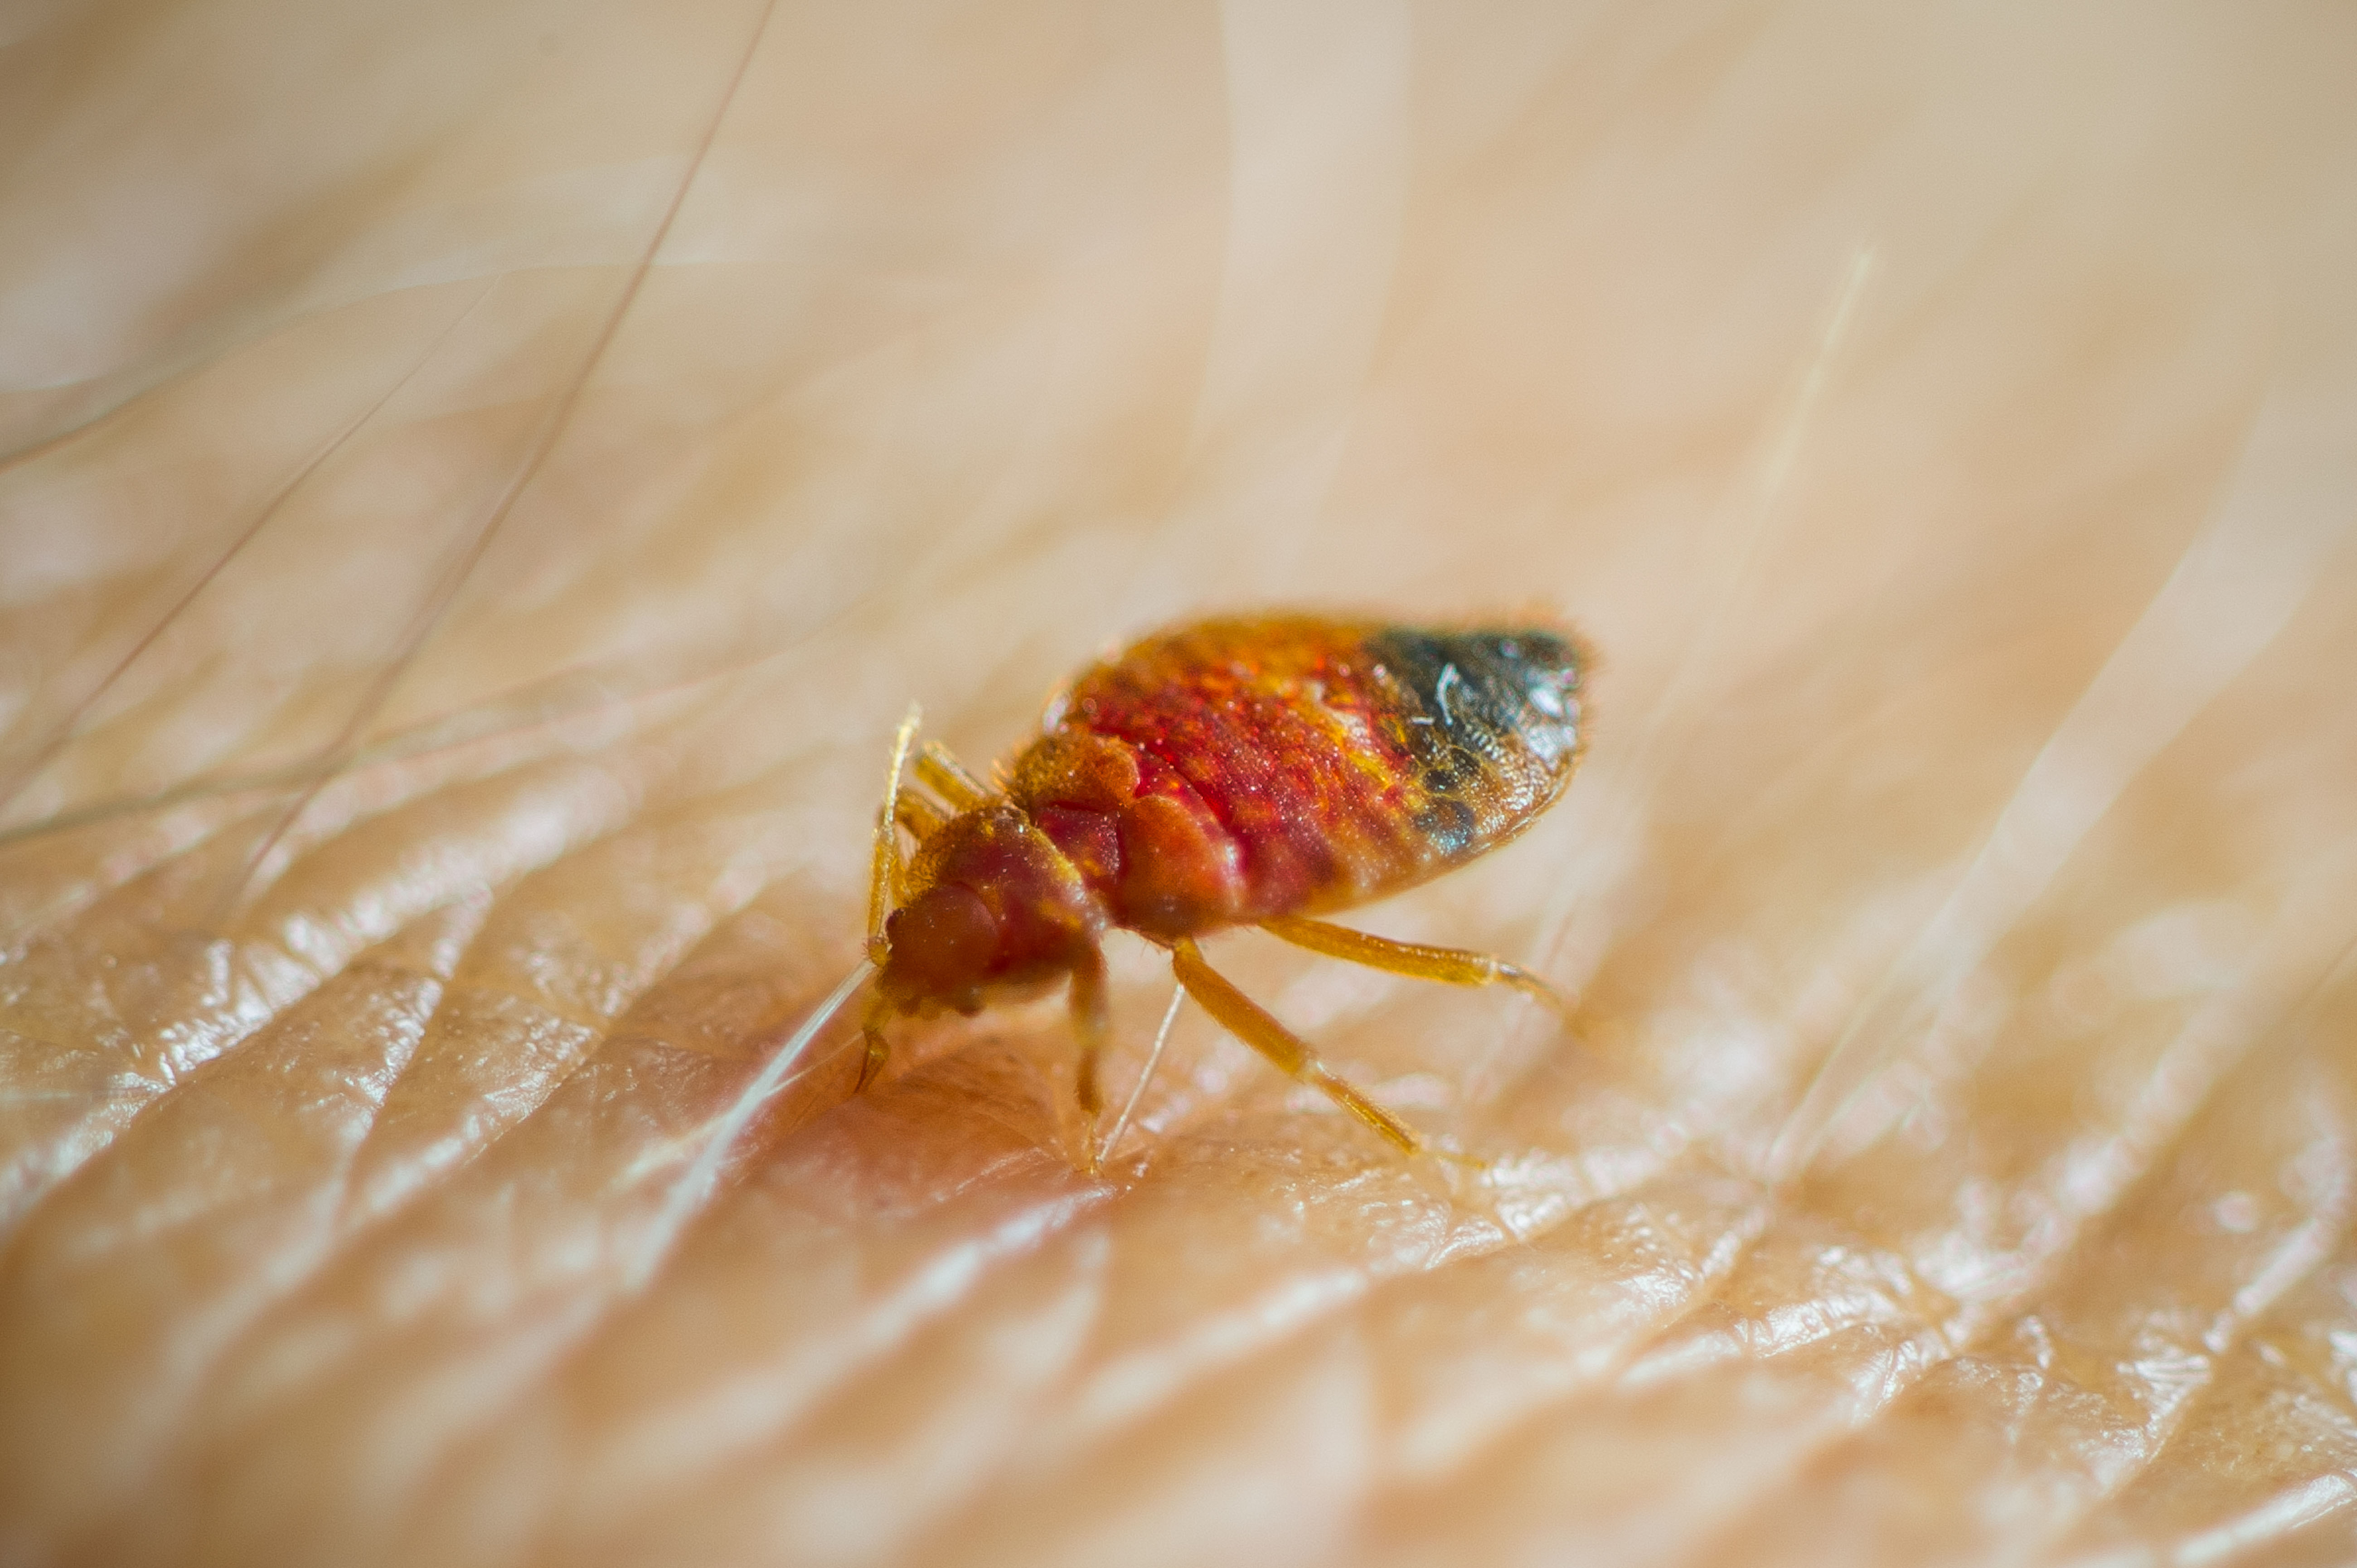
1232 772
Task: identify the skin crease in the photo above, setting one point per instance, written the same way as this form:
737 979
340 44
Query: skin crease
438 783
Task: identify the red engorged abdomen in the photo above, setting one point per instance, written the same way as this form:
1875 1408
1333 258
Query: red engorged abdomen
1237 790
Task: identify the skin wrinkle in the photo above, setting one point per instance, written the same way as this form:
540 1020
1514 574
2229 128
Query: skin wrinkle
180 1376
2220 1343
1337 1381
1747 1240
2243 1313
937 1286
123 1100
2321 1498
62 1140
1991 1321
1310 1306
445 1172
1943 1343
388 819
1697 1278
2156 1432
1322 1309
349 1227
1057 1213
2164 1489
378 1205
1293 1325
1501 1433
1297 1321
620 1300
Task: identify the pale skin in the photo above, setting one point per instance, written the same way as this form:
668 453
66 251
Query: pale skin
394 1195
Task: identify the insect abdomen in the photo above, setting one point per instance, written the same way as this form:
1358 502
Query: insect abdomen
1231 772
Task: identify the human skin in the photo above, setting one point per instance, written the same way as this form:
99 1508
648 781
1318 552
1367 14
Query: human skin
449 667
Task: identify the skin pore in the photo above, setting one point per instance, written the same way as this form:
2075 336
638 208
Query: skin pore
482 491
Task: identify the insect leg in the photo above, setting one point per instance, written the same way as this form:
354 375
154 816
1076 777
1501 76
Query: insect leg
940 770
1093 1023
871 1029
1245 1018
920 816
1452 966
885 871
1145 1075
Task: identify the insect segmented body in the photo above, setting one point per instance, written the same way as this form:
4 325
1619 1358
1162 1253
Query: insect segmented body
1231 772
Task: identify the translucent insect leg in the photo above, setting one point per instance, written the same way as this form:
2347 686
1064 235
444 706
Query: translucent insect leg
885 873
1451 966
1245 1018
871 1029
1145 1075
939 770
1093 1023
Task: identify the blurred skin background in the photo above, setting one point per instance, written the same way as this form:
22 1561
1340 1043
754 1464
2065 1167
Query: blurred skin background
482 481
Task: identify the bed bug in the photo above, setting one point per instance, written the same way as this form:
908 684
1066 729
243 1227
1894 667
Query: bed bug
1256 771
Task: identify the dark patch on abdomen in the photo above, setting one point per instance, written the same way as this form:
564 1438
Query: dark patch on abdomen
1475 689
1449 826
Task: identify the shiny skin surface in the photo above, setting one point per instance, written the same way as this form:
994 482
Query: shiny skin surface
1232 771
